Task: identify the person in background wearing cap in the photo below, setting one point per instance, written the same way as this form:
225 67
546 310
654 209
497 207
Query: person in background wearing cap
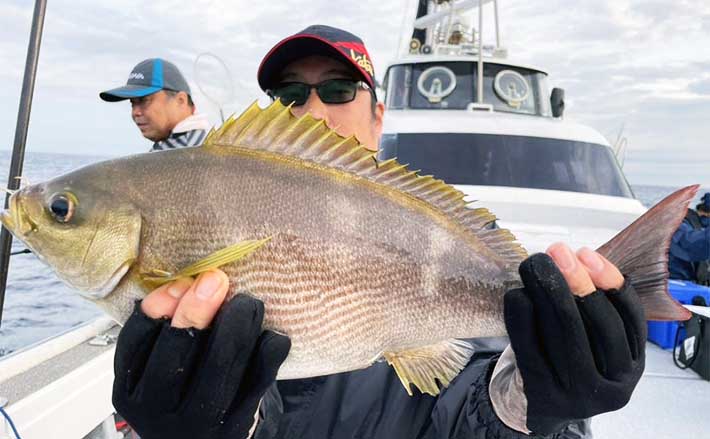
161 105
183 373
689 255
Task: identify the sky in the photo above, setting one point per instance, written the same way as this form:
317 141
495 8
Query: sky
636 67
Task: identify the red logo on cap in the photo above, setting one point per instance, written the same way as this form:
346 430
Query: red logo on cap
362 58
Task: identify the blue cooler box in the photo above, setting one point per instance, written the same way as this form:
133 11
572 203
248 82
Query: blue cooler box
663 333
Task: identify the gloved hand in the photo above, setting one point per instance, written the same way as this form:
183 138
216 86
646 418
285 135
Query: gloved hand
189 383
578 356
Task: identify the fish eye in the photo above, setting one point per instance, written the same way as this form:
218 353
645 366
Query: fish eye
62 207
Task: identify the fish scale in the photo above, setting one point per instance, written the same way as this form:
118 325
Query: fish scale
349 332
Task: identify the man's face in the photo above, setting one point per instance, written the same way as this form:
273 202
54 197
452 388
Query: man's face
351 118
156 114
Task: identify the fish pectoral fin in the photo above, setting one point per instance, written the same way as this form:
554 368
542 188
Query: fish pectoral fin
227 255
154 272
153 278
423 366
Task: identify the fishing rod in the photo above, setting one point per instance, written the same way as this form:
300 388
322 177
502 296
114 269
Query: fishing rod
23 121
214 79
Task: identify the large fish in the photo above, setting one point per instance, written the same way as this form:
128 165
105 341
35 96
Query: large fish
355 260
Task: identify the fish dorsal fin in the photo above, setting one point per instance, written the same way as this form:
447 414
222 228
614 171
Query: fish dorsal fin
275 129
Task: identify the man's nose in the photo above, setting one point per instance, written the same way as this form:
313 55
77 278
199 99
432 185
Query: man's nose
315 106
136 111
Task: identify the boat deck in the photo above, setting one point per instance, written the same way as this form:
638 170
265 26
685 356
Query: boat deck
64 381
28 382
668 403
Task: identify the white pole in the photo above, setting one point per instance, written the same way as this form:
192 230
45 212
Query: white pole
405 32
451 23
480 52
495 9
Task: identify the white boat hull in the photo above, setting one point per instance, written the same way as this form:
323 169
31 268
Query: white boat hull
539 217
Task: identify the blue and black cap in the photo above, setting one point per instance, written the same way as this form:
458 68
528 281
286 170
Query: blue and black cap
148 77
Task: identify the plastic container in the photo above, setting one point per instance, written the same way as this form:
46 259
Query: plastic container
663 333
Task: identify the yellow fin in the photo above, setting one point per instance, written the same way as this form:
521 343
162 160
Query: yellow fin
154 278
424 365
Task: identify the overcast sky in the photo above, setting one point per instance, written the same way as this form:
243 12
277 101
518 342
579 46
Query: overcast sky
640 65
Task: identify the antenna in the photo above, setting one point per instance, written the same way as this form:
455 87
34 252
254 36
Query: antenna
446 27
620 146
214 79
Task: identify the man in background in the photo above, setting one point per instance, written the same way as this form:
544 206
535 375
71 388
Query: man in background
689 257
161 105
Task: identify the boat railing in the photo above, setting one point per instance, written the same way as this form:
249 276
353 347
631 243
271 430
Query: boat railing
61 387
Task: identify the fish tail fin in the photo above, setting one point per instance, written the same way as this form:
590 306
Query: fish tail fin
640 251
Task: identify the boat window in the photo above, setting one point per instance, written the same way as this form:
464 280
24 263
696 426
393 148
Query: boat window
442 85
514 90
452 85
544 94
513 161
398 82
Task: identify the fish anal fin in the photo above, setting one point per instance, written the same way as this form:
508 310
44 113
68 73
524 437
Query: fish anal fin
424 365
154 277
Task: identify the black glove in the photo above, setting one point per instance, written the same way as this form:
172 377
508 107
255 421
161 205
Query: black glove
193 384
578 356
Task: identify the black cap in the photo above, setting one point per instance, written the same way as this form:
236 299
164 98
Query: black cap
316 40
146 78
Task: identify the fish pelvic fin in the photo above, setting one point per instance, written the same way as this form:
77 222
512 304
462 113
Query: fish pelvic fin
275 130
640 251
424 366
155 277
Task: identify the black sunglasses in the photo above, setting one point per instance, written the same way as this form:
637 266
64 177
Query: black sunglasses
331 91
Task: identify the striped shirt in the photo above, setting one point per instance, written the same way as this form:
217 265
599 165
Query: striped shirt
190 132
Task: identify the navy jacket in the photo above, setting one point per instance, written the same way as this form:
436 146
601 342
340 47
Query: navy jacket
371 403
688 246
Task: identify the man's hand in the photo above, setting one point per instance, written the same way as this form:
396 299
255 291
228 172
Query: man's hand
578 332
179 375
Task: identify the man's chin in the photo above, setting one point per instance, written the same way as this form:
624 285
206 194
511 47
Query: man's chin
145 132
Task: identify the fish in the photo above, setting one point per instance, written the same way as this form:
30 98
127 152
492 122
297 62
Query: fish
356 259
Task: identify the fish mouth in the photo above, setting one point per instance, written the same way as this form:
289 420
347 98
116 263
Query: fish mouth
9 217
7 221
15 218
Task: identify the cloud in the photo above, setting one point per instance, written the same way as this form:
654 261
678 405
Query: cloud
90 46
640 64
701 87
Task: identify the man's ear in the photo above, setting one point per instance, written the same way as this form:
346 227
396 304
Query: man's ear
379 116
182 98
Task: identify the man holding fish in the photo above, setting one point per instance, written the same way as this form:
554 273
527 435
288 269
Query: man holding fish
327 72
347 261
